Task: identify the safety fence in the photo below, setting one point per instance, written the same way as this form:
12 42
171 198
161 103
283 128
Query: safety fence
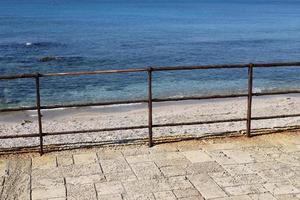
150 100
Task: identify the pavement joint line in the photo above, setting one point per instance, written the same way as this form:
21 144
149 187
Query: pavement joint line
129 165
101 169
94 184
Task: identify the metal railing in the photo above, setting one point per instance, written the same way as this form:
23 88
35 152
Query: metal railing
150 99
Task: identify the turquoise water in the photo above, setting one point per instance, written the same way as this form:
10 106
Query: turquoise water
98 34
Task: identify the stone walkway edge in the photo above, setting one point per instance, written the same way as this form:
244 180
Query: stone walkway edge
265 167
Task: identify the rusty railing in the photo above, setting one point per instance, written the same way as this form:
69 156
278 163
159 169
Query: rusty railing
150 99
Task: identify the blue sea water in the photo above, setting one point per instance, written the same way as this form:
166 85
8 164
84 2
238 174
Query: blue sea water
118 34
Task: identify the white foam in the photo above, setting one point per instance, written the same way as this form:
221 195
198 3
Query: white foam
257 90
117 105
28 43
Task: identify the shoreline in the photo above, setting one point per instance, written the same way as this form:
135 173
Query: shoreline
70 119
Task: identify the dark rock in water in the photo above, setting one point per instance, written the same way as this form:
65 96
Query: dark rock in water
26 122
47 59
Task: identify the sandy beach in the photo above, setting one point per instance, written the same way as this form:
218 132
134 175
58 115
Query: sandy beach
133 115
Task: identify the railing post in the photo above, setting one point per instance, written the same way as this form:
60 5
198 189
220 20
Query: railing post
150 120
38 106
249 107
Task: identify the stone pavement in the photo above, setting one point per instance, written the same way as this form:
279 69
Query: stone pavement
260 168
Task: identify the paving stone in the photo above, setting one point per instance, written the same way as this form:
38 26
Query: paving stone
65 160
204 167
259 166
295 180
288 197
221 146
146 170
154 157
183 193
115 165
121 176
263 156
291 148
242 197
94 178
281 188
146 196
109 154
162 148
173 162
266 150
197 156
3 168
220 157
263 196
80 170
139 158
106 188
190 146
238 169
85 158
192 198
289 159
164 195
179 183
110 197
81 192
174 171
243 179
239 157
45 183
138 150
146 186
48 192
279 175
206 186
278 165
52 173
245 189
44 162
17 183
167 156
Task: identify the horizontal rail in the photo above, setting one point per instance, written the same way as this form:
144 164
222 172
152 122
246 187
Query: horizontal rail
49 107
19 136
19 76
199 122
275 117
228 66
225 96
166 68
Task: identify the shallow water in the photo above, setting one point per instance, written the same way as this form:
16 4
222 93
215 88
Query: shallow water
96 34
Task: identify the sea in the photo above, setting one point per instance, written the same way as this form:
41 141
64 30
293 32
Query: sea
47 36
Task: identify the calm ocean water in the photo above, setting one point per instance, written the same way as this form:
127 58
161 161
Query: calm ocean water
117 34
